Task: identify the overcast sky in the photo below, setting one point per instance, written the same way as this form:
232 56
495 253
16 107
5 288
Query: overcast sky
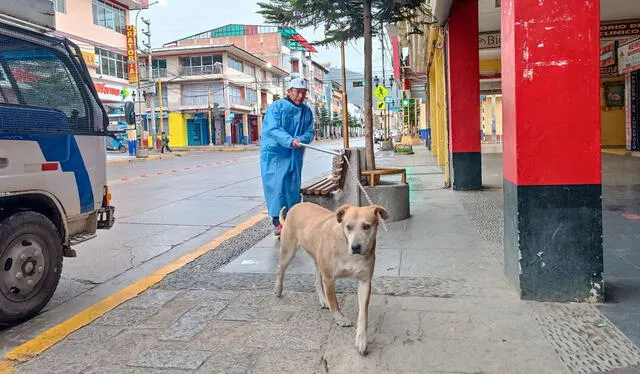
174 19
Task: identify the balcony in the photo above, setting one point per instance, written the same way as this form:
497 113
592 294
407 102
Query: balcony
157 73
200 70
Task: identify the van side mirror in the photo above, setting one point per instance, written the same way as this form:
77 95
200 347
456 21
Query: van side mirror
129 113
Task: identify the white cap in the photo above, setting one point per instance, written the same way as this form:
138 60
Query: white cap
298 83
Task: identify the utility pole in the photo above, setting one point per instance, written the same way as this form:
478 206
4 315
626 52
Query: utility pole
152 129
345 102
209 111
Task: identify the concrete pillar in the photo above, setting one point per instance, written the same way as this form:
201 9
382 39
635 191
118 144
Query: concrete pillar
552 166
246 138
227 127
464 95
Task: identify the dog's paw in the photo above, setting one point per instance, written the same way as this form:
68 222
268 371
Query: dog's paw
341 320
361 343
324 304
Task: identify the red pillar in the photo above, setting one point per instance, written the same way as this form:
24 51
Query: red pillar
463 76
552 170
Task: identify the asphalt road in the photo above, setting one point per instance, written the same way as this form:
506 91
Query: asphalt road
164 209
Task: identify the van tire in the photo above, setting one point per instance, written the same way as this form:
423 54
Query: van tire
34 236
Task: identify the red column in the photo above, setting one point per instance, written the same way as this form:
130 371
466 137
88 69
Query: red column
463 76
552 170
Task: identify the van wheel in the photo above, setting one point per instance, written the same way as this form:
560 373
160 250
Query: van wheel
30 265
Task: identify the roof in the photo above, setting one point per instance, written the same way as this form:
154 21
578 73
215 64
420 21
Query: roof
295 40
229 48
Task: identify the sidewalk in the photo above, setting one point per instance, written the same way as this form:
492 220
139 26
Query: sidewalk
440 304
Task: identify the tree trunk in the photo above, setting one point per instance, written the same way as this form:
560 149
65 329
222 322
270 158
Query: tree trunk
368 90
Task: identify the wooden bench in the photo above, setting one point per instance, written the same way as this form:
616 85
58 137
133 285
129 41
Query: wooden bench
331 182
374 175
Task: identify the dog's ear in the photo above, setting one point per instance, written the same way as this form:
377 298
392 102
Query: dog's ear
340 212
380 210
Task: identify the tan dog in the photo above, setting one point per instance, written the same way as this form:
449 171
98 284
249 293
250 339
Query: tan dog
342 245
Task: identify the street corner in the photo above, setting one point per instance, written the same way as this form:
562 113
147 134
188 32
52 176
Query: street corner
110 308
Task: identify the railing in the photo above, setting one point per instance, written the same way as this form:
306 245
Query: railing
160 73
200 70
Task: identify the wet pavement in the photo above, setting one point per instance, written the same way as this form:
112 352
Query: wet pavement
164 209
440 304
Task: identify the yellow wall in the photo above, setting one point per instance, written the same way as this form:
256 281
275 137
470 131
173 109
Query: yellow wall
177 130
490 65
613 120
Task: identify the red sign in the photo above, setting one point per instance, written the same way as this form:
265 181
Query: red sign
619 29
132 55
104 89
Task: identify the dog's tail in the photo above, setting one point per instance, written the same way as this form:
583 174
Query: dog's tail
282 215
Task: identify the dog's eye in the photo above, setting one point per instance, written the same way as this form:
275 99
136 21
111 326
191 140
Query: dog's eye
349 227
366 226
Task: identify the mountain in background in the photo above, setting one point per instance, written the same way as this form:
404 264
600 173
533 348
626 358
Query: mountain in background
355 95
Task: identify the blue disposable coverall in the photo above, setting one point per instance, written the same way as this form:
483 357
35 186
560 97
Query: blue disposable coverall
280 163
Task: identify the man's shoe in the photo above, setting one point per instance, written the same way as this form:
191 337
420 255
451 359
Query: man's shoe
277 230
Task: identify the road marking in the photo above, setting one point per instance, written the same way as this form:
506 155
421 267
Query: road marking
166 172
42 342
6 367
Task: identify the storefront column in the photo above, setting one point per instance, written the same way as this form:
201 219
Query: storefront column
259 127
552 169
464 95
227 127
246 138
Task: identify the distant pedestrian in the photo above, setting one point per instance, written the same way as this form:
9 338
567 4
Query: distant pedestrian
165 143
287 123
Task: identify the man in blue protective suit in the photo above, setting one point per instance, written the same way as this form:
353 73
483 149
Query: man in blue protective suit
287 123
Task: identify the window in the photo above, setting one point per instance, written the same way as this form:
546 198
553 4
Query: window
235 64
37 76
235 96
264 76
196 94
295 66
252 96
201 65
59 6
165 99
276 81
112 64
250 69
109 16
159 68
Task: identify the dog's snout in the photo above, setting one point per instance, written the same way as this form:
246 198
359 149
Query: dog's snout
355 248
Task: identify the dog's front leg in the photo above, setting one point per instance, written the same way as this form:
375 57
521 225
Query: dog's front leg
330 291
364 293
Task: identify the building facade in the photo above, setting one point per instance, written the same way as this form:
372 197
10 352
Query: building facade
211 94
100 28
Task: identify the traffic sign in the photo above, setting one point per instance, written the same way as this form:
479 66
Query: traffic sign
381 105
388 99
380 92
358 84
394 108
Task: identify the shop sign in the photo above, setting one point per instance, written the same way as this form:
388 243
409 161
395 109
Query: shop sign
132 55
111 93
608 58
489 40
620 29
629 57
90 59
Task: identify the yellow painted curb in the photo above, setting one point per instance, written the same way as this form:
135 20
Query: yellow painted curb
6 367
39 344
615 151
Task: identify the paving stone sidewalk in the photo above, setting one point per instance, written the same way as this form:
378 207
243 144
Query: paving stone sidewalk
440 304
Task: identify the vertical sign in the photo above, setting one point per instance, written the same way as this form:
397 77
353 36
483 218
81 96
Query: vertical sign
627 108
635 111
132 55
